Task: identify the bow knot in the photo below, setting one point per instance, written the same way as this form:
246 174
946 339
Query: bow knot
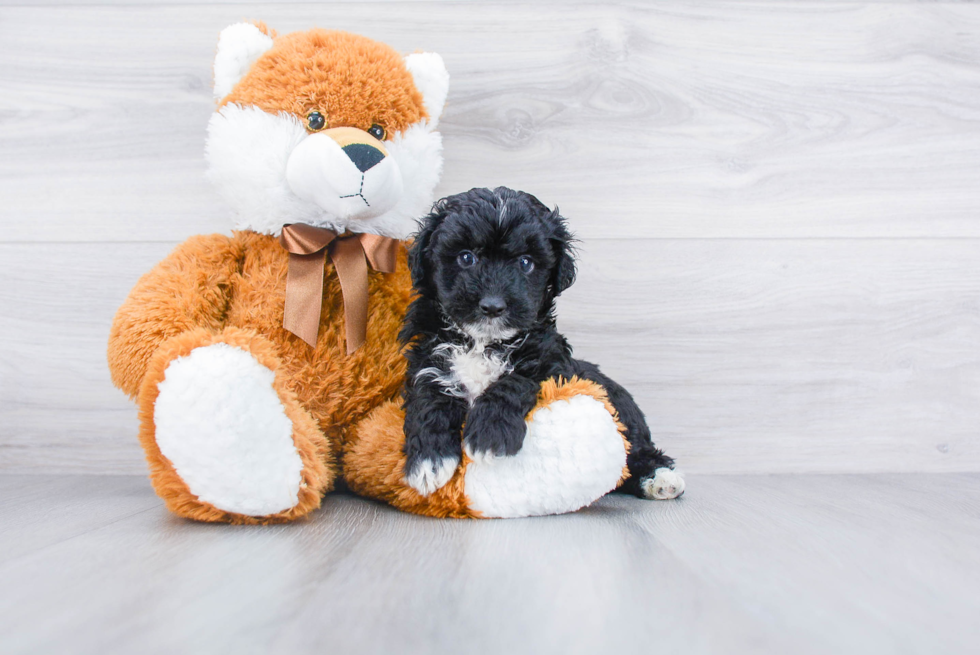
308 248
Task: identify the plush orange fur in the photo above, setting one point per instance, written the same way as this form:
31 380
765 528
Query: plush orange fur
352 80
233 288
374 461
187 290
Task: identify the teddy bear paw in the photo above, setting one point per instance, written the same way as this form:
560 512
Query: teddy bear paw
664 485
222 425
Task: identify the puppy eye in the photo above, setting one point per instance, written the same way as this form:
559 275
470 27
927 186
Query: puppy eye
315 121
526 264
465 259
377 132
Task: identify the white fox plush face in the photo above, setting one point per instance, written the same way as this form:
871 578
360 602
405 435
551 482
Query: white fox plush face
325 128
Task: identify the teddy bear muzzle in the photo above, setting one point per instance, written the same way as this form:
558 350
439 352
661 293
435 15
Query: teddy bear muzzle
346 172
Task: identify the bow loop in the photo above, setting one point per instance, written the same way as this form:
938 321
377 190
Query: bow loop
350 254
302 239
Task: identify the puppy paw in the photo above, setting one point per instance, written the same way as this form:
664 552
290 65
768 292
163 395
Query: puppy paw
663 485
427 475
492 433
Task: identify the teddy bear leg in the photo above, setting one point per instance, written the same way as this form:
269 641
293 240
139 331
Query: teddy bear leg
225 438
573 454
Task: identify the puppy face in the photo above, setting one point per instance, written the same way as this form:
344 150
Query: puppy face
493 261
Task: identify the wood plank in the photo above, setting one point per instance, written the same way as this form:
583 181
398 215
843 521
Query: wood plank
890 550
43 510
747 356
59 409
718 120
816 355
843 564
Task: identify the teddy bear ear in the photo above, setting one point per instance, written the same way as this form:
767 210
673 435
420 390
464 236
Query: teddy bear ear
432 81
238 47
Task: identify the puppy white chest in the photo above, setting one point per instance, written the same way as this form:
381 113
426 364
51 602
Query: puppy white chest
471 369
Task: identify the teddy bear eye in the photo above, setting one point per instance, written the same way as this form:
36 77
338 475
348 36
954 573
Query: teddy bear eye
377 132
315 121
526 264
465 259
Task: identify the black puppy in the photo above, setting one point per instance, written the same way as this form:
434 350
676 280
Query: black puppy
487 267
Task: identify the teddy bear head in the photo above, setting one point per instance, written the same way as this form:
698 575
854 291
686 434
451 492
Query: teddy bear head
324 128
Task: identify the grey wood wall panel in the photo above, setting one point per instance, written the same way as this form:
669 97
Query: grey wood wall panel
815 355
721 120
747 355
778 203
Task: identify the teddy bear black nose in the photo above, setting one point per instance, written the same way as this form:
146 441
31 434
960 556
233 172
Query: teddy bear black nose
363 155
492 306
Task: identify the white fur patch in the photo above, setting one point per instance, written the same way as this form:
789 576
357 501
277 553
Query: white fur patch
249 151
491 330
572 455
238 47
431 79
471 369
664 485
430 476
221 424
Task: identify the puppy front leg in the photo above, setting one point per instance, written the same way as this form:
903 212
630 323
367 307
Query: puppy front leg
495 424
433 422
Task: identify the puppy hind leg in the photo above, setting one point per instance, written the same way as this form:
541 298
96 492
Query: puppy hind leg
652 473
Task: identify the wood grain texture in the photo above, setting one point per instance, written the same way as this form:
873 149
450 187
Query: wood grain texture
741 564
747 355
792 119
777 201
816 355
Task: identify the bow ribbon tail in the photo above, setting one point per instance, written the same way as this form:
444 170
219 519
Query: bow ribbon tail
350 262
304 295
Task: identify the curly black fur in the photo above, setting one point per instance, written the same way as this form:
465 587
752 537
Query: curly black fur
493 301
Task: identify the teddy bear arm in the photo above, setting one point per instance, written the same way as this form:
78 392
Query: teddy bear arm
189 289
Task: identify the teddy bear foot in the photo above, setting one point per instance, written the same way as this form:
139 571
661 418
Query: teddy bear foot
573 454
234 445
665 484
220 423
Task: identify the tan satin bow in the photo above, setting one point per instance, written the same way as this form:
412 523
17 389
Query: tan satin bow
308 248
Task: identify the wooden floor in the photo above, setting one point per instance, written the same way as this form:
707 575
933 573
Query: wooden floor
788 564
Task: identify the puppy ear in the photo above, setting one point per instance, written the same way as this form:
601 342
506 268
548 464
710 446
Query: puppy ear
418 254
563 273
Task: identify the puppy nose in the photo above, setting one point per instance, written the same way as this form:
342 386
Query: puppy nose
363 155
492 306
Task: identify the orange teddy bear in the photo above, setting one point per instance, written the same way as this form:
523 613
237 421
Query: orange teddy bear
266 363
